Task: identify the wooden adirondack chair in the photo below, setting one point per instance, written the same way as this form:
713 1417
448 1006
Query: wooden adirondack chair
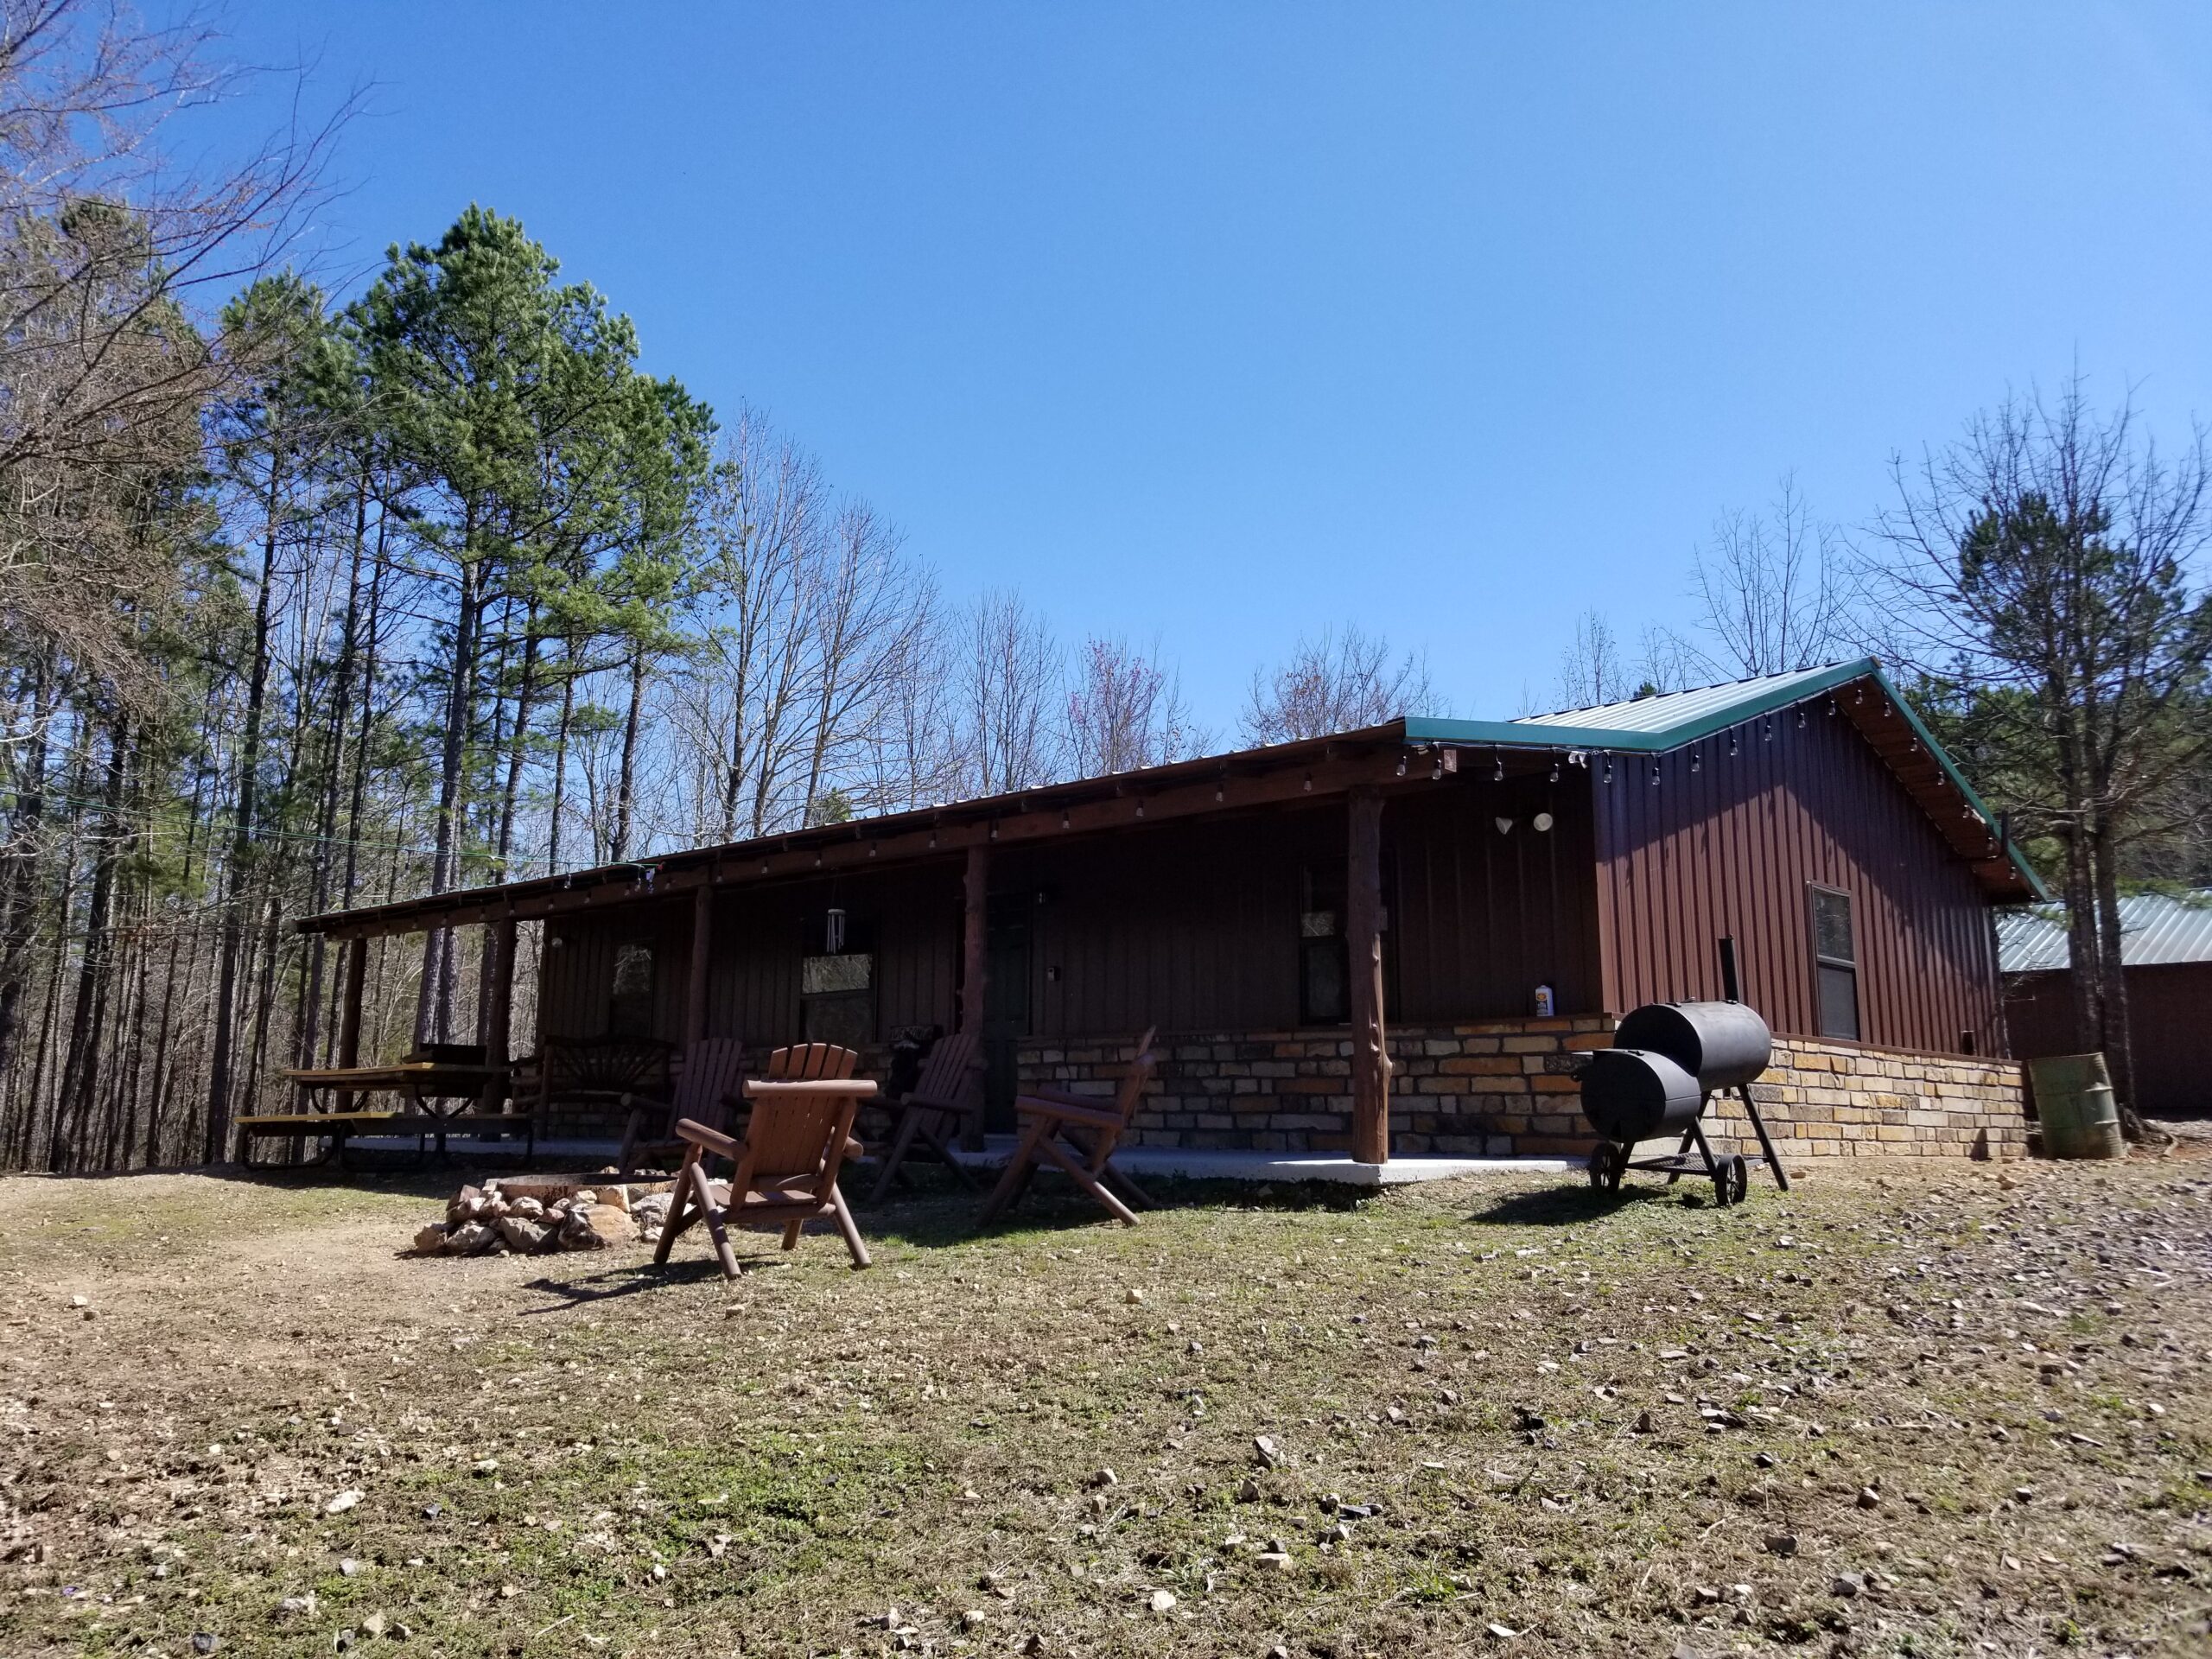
947 1091
1076 1134
799 1134
714 1070
598 1073
804 1062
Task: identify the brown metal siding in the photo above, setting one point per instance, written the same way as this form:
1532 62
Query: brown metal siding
1191 926
1730 848
753 992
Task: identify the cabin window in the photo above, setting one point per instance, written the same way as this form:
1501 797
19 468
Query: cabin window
836 979
1835 963
630 1010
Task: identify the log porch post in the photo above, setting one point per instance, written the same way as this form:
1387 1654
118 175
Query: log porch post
702 955
1370 1063
974 923
349 1011
498 1020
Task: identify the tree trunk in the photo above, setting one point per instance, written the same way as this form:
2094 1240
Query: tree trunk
80 1068
2111 983
234 880
434 1001
626 787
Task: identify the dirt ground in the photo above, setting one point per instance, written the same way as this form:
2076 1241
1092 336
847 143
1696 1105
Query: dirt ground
1903 1410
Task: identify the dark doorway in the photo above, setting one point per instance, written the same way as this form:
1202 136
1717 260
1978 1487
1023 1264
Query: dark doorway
1006 1005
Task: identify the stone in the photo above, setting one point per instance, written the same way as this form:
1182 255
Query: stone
1163 1601
430 1239
1135 1297
485 1466
349 1568
463 1205
1869 1498
468 1238
1263 1446
205 1641
299 1606
373 1624
1781 1544
1249 1491
522 1235
345 1501
1849 1585
526 1208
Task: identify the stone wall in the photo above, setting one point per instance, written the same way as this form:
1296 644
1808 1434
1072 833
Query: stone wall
1501 1087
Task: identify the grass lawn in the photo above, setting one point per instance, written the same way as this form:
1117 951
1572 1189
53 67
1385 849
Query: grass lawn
1903 1409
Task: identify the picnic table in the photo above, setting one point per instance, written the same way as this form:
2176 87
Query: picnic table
438 1095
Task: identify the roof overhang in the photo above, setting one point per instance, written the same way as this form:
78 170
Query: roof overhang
1379 757
1861 692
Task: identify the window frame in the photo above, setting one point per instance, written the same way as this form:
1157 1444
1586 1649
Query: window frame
1827 969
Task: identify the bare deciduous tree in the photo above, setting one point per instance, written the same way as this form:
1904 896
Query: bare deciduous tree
1338 681
1010 684
1771 590
1124 711
2045 560
1591 671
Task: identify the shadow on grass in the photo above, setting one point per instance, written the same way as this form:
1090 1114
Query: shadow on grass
942 1212
629 1278
430 1182
1570 1203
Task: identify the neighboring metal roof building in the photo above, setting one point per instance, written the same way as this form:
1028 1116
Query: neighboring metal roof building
2155 930
1664 712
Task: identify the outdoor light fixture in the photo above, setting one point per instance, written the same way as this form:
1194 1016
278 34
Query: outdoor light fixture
1216 792
1732 741
1608 768
1309 783
1498 771
1766 732
1504 826
1140 809
1064 817
1401 763
1801 719
1654 774
1540 822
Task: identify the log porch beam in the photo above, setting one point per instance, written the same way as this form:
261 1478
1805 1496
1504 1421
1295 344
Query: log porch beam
1370 1060
905 838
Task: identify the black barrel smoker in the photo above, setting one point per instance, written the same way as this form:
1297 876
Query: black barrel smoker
1668 1061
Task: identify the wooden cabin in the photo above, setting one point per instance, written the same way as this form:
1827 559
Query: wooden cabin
1392 938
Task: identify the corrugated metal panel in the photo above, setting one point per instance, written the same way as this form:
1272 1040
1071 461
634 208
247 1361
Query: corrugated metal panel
1664 713
1191 925
1729 844
2155 929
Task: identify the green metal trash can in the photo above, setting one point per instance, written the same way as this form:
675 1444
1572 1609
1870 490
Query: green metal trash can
2074 1103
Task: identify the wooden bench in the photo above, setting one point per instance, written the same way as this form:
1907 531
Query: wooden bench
337 1127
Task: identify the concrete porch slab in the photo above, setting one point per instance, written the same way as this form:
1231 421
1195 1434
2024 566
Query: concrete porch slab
1142 1162
1212 1164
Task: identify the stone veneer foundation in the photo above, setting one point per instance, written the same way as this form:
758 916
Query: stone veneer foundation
1497 1088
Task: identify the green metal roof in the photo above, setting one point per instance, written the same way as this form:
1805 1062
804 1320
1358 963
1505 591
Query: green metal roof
1657 724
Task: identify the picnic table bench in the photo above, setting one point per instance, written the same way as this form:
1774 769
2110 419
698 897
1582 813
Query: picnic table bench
424 1084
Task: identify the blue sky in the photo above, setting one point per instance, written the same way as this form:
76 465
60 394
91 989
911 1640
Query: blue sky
1220 323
